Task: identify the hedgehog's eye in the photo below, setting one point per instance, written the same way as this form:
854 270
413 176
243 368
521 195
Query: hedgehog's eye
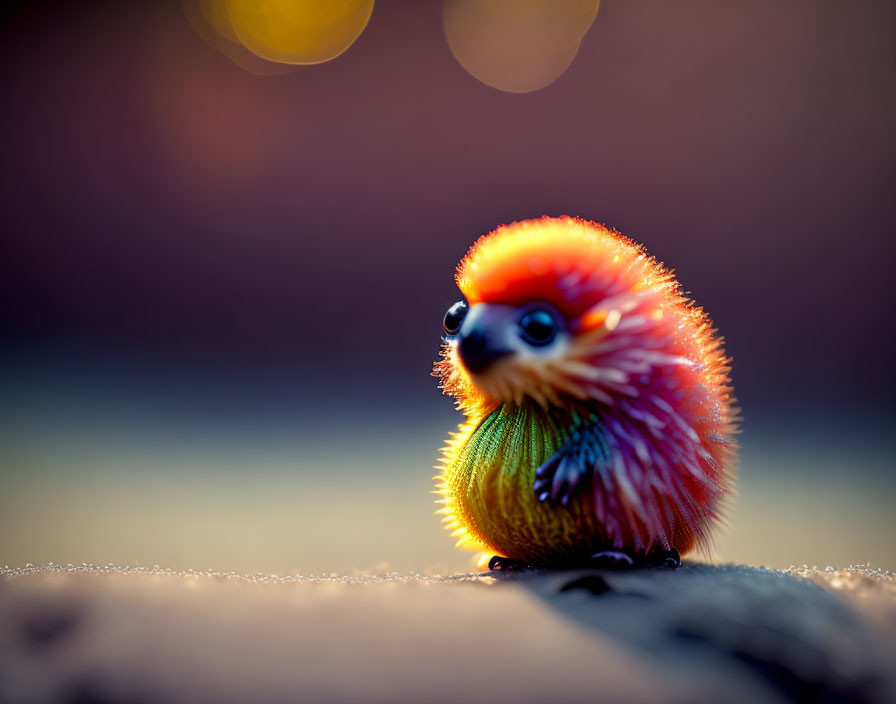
454 318
538 327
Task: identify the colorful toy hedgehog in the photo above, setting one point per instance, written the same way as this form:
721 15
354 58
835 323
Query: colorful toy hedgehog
598 409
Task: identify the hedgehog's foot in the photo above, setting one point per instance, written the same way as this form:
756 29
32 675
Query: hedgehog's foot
664 558
617 559
506 564
611 559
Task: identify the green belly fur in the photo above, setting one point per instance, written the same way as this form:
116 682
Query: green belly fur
491 481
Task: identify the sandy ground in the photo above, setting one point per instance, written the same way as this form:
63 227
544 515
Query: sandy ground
703 633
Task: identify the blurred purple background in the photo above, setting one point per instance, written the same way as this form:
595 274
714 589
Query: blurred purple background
213 281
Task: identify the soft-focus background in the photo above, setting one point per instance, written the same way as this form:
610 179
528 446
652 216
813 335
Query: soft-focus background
221 292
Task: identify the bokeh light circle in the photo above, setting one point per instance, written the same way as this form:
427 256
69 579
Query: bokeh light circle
516 46
211 21
298 31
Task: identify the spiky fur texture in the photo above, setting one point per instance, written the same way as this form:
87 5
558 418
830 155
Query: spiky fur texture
641 360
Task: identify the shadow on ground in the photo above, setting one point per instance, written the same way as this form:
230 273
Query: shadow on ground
801 640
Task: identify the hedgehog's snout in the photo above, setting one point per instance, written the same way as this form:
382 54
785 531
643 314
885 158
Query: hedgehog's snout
481 341
478 352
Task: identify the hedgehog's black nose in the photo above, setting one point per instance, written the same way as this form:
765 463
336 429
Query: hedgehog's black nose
477 351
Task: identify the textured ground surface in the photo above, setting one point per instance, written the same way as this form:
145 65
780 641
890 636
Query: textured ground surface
703 633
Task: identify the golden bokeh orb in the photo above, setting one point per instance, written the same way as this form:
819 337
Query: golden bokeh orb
298 31
211 21
275 36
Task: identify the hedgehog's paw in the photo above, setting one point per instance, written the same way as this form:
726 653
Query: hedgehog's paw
558 478
506 564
